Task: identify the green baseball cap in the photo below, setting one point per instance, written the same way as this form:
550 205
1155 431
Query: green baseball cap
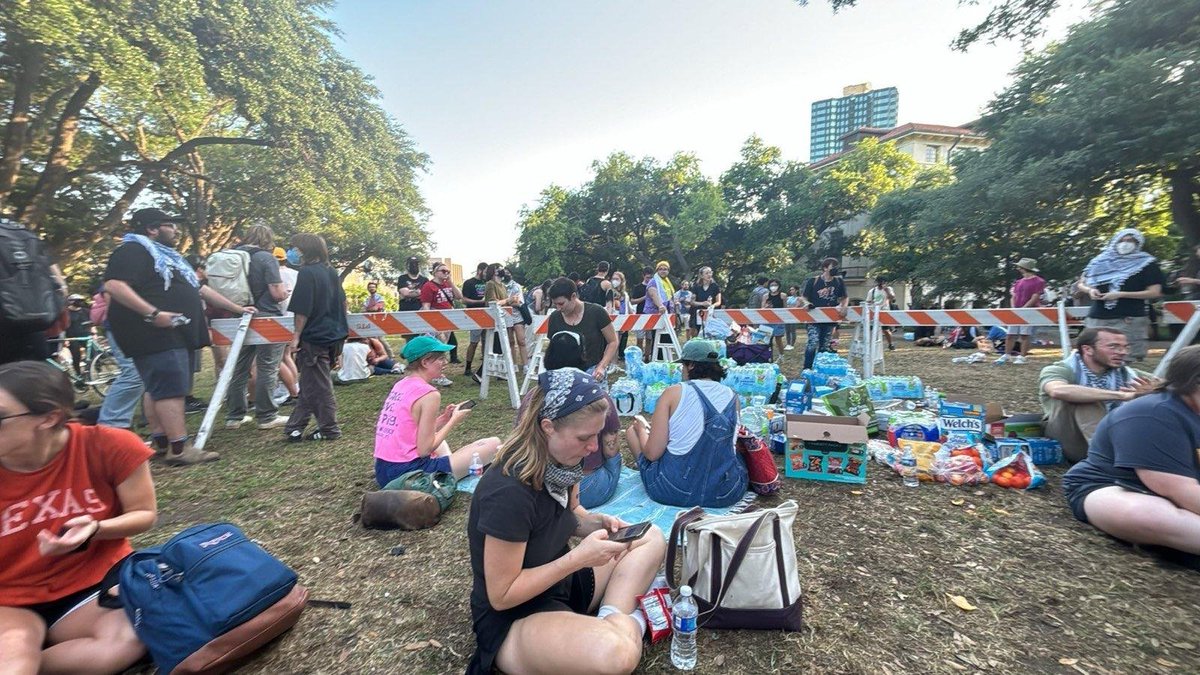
422 345
701 351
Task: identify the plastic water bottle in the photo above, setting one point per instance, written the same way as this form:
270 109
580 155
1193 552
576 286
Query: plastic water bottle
908 469
683 642
476 467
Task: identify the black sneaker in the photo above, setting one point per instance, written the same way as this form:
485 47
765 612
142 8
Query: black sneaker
194 406
319 435
290 400
475 377
295 436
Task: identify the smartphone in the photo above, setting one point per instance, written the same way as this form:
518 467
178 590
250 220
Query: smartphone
466 405
630 532
179 320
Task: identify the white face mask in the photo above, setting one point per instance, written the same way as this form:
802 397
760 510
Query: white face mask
773 289
1126 247
616 283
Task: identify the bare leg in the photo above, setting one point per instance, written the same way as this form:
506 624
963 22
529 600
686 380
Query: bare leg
169 413
287 373
21 635
92 639
1010 342
460 460
636 440
1143 519
156 427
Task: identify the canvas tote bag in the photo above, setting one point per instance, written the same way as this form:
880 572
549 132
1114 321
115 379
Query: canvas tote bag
741 567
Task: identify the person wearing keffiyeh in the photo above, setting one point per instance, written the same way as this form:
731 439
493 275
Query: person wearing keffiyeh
1077 392
533 595
1121 281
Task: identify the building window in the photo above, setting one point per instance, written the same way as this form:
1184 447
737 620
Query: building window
933 154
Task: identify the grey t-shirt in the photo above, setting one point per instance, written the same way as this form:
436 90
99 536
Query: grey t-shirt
264 271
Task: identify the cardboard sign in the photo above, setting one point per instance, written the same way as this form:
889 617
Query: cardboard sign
827 448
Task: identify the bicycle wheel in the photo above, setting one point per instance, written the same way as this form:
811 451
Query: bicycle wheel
102 371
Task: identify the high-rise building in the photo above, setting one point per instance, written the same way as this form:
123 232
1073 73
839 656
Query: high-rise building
859 106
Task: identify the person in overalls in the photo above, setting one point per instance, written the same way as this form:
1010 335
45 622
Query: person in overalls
686 455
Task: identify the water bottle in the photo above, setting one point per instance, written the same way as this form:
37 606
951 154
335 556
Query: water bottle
633 362
683 641
932 399
476 467
908 468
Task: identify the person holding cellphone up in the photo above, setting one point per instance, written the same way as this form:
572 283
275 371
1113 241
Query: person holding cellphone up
537 604
413 427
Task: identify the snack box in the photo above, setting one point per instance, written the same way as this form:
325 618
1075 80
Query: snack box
797 398
1000 448
1025 425
1044 451
826 448
967 414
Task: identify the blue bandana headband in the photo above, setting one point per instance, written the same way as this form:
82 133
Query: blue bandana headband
567 390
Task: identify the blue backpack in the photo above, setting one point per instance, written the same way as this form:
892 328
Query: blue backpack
203 583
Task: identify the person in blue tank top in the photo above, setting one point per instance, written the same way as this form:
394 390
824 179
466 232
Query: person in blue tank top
686 455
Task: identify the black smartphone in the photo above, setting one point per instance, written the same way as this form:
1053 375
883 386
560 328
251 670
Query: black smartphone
466 405
630 532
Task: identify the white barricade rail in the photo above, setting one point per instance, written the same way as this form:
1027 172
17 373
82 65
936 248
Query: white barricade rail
661 324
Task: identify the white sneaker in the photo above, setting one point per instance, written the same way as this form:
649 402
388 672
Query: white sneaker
1001 361
279 421
788 348
237 424
1018 360
442 382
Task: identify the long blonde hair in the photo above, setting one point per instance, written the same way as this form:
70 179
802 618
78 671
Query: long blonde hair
526 451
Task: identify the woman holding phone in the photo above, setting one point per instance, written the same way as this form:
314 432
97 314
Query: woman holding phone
71 496
537 604
411 432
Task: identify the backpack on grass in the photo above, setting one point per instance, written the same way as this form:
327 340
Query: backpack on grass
228 273
440 485
29 297
207 599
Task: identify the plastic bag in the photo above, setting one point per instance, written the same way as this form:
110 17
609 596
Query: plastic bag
1017 472
925 453
959 470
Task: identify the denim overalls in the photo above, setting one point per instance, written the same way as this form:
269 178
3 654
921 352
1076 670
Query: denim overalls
711 474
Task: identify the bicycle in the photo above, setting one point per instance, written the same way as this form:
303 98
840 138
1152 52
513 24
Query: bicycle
102 367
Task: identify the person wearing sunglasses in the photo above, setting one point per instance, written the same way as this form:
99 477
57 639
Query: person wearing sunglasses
71 496
440 293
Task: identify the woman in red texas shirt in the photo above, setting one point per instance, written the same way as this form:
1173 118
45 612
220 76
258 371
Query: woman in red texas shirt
70 496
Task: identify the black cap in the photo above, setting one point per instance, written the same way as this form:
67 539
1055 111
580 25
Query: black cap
143 218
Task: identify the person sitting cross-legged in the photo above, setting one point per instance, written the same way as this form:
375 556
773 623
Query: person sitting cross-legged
687 456
1077 392
537 604
411 432
1140 481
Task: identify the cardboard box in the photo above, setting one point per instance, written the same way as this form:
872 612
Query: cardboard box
967 414
821 447
1017 426
1044 451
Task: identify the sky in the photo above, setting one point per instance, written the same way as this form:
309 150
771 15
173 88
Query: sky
507 97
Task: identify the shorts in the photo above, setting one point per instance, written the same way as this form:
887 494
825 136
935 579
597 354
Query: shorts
476 336
1077 492
777 329
1021 330
56 610
386 472
166 374
491 629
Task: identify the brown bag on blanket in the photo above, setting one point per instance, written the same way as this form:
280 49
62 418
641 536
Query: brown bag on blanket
403 509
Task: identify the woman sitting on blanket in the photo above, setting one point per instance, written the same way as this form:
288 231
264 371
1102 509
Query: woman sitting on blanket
537 604
410 433
687 455
601 469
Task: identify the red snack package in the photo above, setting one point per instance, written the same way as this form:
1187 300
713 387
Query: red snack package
657 607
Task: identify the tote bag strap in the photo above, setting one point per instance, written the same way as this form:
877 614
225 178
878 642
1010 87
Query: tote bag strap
681 521
739 555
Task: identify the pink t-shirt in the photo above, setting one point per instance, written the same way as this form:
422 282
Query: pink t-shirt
1025 288
396 430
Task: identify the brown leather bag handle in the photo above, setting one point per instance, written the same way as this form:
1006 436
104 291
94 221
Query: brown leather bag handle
681 521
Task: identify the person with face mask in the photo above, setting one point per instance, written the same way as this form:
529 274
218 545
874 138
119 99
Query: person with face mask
409 285
827 289
1120 282
1077 392
775 300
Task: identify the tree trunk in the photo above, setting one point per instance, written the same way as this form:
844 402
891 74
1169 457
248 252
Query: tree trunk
60 153
1184 191
352 266
31 59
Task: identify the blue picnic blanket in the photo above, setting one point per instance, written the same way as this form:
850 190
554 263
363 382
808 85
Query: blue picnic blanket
632 505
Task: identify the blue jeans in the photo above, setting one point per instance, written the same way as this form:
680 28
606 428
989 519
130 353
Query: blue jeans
124 392
600 485
819 335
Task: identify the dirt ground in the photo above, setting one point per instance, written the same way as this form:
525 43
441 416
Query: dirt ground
878 562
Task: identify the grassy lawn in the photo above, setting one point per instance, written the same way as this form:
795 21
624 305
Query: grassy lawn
876 561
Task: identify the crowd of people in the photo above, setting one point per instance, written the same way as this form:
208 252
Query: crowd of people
73 494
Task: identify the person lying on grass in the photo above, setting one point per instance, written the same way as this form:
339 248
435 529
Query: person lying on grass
1140 481
70 496
601 469
410 433
537 604
687 456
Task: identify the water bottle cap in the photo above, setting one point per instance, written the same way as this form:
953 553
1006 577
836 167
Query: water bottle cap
685 591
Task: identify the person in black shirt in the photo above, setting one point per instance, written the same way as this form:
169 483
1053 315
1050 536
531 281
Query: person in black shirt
157 318
708 297
637 295
533 597
321 328
78 328
590 322
1120 282
473 291
827 289
410 284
